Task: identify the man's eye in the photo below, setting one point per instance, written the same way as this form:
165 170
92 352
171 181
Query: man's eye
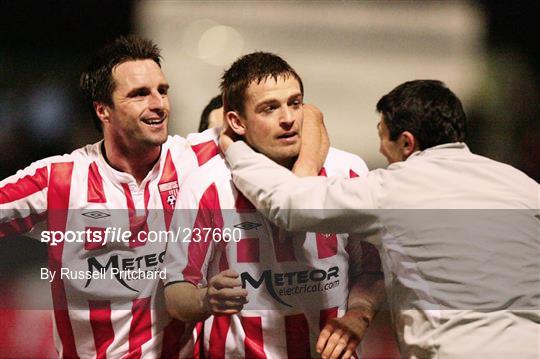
269 109
163 91
140 93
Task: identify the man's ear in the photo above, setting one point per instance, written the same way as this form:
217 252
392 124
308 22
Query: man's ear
408 144
236 123
102 111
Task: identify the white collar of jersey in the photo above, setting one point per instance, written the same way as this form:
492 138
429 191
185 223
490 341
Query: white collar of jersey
123 177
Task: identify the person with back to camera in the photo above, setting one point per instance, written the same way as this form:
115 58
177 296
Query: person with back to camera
460 243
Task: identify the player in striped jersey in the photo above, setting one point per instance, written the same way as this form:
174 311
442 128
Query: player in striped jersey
278 294
129 181
112 184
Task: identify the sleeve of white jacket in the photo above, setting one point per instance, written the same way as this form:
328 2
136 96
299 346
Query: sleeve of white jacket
317 204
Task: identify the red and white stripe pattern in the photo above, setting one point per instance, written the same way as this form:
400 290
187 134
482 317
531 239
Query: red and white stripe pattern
103 318
28 186
270 326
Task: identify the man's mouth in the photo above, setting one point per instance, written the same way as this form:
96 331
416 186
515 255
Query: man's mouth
154 121
287 135
291 136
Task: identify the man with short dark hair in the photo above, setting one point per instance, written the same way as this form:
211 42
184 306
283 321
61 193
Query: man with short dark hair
274 294
460 242
107 296
212 115
112 184
419 115
98 81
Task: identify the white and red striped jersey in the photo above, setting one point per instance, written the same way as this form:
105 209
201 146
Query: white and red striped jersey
295 281
111 316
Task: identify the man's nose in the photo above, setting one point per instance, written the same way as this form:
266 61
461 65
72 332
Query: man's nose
157 101
287 117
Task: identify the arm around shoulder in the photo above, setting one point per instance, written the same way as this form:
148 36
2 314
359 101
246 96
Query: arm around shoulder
332 205
315 143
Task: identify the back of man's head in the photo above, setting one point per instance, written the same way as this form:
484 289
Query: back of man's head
97 81
425 108
254 67
214 104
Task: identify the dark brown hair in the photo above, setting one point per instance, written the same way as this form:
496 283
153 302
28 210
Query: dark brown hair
97 81
254 67
425 108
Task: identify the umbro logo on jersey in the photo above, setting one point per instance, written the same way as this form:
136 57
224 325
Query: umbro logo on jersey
247 225
96 214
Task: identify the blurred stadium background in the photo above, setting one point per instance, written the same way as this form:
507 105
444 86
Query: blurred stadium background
348 53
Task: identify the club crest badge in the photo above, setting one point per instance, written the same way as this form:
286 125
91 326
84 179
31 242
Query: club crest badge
169 192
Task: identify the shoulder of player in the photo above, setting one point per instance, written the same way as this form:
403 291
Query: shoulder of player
336 155
212 178
211 134
80 156
214 170
193 139
176 144
340 163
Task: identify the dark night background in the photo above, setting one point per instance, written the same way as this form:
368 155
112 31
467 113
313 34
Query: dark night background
45 46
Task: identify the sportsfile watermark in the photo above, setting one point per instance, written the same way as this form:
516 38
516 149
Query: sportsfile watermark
432 259
103 273
102 236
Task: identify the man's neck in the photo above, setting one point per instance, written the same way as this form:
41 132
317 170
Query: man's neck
137 163
287 163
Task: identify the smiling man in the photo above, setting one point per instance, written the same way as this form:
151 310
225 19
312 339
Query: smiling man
111 184
134 120
278 294
126 184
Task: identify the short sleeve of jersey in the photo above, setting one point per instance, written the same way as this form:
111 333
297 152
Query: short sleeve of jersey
196 216
204 144
184 260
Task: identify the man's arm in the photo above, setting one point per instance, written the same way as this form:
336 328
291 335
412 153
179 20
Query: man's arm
224 295
184 302
341 336
23 198
315 143
186 296
318 204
